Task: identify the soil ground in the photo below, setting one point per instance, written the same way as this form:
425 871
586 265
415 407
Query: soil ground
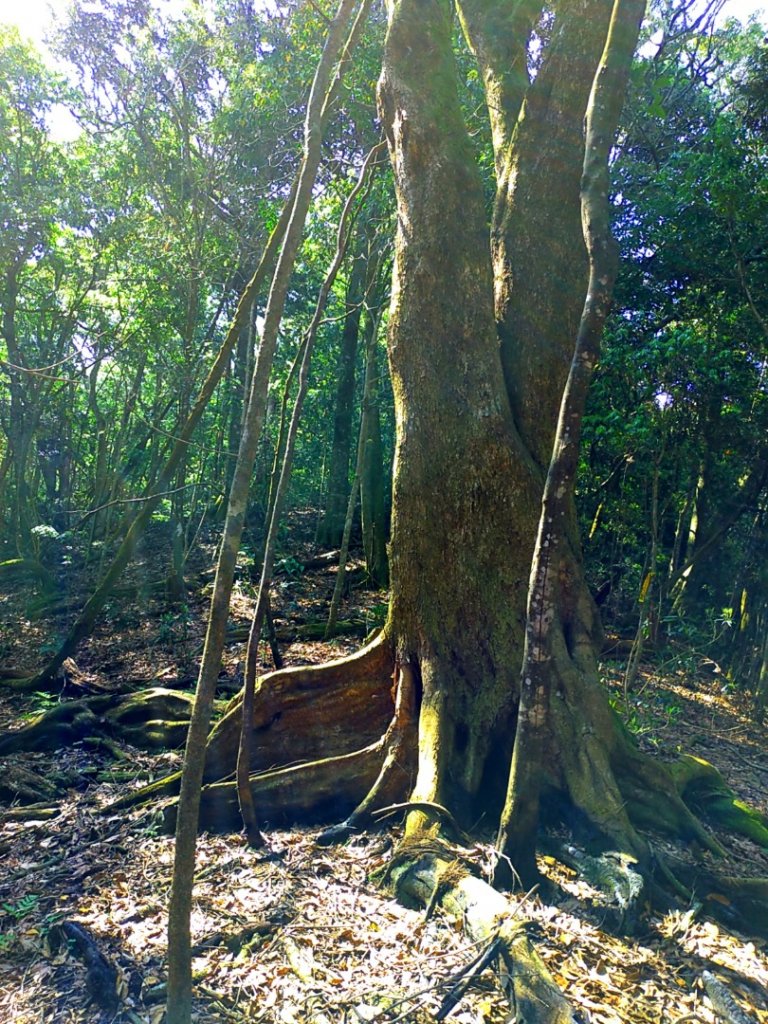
305 935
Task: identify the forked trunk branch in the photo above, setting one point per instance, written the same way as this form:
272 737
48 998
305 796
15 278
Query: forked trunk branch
516 843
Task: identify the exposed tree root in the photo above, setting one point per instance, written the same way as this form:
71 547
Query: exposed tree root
20 783
30 812
245 938
436 811
313 715
67 680
704 789
310 713
330 787
399 745
653 799
7 672
168 786
427 873
21 683
152 719
725 1006
308 717
620 791
323 790
101 976
26 568
740 903
616 875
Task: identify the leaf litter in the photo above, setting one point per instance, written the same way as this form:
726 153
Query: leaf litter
307 936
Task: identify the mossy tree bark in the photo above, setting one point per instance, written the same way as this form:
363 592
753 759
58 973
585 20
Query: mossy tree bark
481 338
467 486
520 817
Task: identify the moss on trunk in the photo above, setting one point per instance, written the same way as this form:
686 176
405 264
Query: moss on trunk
703 788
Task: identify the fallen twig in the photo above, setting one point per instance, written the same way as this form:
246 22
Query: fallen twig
723 1003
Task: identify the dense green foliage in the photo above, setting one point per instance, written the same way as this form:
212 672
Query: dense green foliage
123 254
673 484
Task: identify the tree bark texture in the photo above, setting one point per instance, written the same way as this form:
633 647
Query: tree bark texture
461 513
467 478
520 817
179 947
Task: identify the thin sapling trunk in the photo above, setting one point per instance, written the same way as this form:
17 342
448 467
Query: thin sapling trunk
179 1002
245 796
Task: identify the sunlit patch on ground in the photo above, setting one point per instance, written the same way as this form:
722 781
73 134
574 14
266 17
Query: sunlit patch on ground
311 937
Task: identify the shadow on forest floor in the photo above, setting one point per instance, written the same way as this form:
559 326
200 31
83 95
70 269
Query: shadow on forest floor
308 937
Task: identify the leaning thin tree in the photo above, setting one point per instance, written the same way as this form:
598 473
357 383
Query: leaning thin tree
338 44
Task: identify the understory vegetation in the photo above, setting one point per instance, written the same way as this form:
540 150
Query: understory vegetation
384 462
313 935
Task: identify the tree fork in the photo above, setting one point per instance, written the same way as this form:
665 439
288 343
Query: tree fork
516 843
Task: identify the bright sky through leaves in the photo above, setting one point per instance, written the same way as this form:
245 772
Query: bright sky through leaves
34 18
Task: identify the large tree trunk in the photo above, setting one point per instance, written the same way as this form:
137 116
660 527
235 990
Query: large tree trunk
467 486
540 261
474 428
470 449
520 817
465 492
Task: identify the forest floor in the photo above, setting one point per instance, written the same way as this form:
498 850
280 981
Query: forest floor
305 935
